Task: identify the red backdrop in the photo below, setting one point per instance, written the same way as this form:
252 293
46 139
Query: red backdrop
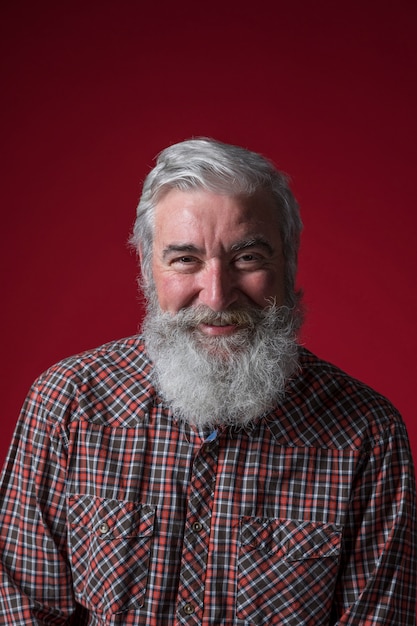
91 91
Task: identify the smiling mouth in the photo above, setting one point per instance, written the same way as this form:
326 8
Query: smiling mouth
218 328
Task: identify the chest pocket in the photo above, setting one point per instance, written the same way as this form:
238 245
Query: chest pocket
110 543
286 571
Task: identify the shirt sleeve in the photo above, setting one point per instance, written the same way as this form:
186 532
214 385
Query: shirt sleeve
377 581
35 579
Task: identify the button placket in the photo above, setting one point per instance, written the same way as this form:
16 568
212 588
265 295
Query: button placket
196 537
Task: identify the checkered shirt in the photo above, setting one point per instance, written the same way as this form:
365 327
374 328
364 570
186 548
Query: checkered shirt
112 512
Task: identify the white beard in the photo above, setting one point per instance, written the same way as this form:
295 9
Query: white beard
214 381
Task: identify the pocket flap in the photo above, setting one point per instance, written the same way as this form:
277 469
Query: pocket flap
313 541
111 518
293 539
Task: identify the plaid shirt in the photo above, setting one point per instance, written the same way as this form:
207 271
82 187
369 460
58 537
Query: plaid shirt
114 513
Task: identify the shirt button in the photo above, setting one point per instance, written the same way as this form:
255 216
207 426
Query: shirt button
188 608
104 528
197 527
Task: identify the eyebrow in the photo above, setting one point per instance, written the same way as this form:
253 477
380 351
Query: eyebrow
244 244
253 242
180 247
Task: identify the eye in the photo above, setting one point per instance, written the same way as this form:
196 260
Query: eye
248 260
185 263
186 260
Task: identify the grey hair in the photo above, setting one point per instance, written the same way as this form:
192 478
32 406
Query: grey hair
204 163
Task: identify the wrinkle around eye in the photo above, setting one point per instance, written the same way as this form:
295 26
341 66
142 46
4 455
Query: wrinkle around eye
185 263
250 261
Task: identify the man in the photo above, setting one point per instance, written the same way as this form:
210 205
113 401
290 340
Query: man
210 471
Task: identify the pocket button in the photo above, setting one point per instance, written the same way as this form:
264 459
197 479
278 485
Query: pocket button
104 528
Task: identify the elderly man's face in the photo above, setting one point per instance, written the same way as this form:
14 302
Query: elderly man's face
218 251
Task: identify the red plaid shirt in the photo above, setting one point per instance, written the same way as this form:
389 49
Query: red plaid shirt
114 513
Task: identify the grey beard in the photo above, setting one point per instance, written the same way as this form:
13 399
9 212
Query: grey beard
231 380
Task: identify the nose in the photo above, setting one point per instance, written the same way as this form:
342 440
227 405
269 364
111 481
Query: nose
217 289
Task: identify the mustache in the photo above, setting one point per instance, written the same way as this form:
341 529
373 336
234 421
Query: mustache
194 316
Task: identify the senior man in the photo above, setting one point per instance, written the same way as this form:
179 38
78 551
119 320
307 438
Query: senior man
210 471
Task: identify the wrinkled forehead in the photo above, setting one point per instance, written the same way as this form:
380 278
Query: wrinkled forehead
185 217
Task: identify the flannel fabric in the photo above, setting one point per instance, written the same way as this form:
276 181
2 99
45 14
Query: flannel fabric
112 512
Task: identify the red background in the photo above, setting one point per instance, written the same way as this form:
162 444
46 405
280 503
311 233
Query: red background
91 91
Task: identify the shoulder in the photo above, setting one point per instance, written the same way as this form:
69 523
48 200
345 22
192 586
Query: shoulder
332 408
108 380
115 355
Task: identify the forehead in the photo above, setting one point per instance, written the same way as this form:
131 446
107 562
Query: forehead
202 212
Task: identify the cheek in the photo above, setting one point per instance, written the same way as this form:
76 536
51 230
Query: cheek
173 292
264 287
